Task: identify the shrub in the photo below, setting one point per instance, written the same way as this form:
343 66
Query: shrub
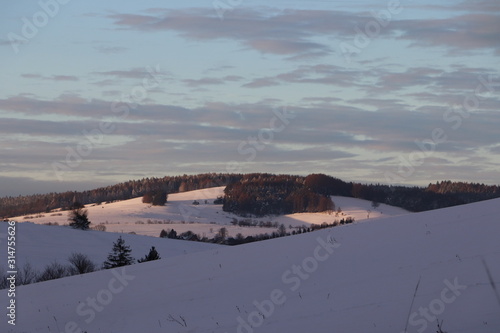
80 264
53 271
152 255
99 227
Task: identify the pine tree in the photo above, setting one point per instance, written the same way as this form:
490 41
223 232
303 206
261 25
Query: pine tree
152 255
78 218
120 255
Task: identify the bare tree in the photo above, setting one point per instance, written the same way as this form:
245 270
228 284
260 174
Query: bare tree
26 275
99 227
4 283
282 230
52 272
222 234
80 264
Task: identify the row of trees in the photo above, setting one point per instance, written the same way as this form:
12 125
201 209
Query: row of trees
219 238
78 263
222 236
121 255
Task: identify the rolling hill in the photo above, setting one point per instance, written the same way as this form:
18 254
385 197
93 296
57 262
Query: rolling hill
206 218
400 272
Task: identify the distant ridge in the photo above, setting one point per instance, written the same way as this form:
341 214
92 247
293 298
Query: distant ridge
439 195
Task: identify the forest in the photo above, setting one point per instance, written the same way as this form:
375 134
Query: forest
22 205
262 193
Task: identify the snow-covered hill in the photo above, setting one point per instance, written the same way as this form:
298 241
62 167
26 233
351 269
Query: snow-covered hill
361 277
41 245
206 218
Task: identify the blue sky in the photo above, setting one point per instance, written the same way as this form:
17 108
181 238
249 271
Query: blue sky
398 92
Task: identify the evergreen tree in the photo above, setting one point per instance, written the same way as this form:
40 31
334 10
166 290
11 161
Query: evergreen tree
152 255
78 218
120 255
172 234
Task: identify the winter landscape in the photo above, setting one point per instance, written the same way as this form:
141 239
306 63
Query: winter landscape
389 270
231 166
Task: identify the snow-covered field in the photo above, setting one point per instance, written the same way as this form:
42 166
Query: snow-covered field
206 218
360 277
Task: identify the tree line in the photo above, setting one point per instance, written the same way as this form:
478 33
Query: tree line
438 195
223 238
37 203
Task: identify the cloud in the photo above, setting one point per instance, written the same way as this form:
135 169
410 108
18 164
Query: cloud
211 81
388 129
13 43
321 100
50 78
312 74
219 68
295 33
485 6
468 32
378 86
324 137
495 150
261 83
134 73
267 31
110 49
286 47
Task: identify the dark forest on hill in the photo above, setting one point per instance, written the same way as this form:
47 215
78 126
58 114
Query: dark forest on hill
261 193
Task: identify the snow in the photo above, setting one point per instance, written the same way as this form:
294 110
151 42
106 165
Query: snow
40 245
359 277
204 219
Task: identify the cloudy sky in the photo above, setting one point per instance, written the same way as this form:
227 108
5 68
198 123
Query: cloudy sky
98 92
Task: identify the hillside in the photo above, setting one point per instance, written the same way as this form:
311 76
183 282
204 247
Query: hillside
41 245
355 278
206 218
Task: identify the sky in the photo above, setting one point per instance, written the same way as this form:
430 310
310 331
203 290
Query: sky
395 92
